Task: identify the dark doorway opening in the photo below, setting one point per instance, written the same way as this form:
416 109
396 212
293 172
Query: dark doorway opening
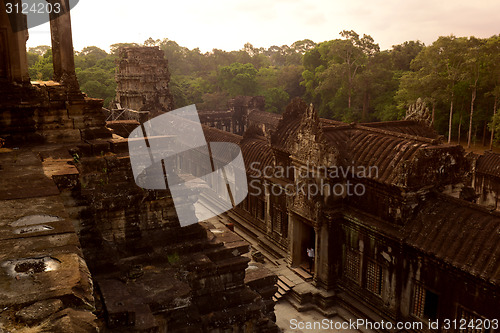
308 238
431 304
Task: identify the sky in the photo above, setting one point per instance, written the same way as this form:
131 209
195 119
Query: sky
229 24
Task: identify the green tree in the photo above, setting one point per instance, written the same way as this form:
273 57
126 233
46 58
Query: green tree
276 100
114 48
289 78
331 71
95 70
437 72
33 58
43 69
492 54
475 65
238 79
403 54
354 52
40 49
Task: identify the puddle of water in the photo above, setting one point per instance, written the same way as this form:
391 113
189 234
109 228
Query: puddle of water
32 229
34 219
29 266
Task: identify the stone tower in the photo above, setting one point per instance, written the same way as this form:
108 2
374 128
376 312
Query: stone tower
142 76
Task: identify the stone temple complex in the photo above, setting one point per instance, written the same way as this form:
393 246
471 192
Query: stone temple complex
82 248
388 208
403 226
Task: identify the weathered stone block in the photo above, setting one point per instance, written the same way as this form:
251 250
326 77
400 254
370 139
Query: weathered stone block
39 310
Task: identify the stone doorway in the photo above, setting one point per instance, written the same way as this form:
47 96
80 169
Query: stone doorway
303 236
308 241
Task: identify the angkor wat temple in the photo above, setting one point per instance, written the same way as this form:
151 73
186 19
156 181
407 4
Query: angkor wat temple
404 227
410 243
83 248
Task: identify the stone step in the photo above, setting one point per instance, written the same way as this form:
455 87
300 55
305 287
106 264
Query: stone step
144 319
281 291
56 125
286 281
271 248
281 261
53 117
65 135
265 246
283 286
303 274
300 307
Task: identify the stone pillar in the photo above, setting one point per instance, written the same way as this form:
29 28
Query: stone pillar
62 46
317 253
268 217
13 37
322 267
295 239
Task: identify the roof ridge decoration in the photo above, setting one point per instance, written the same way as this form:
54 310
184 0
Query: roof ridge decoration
254 132
310 145
292 113
419 112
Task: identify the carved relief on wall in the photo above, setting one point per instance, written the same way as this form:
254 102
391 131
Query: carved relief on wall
306 200
310 146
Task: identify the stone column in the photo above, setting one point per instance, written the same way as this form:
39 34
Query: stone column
13 37
267 202
62 45
318 255
323 261
295 245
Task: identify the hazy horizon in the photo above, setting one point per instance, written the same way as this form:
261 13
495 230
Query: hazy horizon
228 25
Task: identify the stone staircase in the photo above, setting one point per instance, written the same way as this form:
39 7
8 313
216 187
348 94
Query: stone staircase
284 286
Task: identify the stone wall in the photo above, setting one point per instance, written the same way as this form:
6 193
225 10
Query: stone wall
132 241
486 180
236 118
48 112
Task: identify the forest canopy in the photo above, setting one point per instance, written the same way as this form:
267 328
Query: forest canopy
348 79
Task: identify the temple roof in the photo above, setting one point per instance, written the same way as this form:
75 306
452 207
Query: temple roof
489 164
269 119
406 153
216 135
406 127
256 149
461 234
